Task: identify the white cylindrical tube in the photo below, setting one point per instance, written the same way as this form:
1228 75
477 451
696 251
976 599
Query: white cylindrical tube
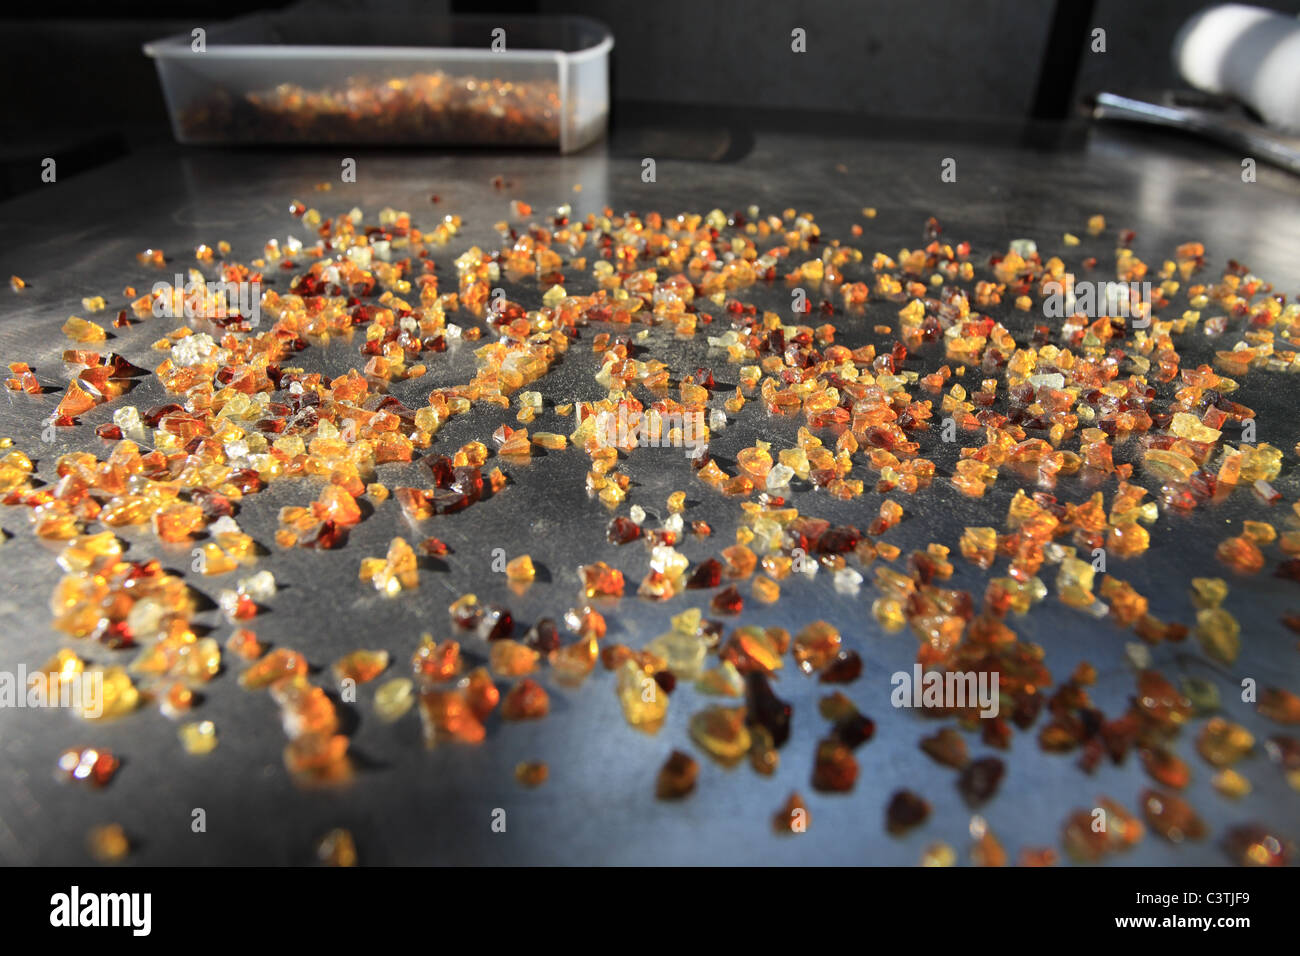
1248 53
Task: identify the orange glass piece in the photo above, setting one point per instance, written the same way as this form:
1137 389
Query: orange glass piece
276 665
447 714
320 756
526 700
436 661
360 666
600 580
816 646
76 401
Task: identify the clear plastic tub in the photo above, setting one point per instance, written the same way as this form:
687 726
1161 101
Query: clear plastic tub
289 78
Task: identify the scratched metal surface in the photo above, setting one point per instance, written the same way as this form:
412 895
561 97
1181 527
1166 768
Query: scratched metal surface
410 806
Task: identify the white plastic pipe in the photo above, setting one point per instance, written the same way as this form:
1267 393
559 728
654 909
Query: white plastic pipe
1248 53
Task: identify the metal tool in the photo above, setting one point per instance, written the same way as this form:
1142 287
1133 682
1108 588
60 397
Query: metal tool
1212 117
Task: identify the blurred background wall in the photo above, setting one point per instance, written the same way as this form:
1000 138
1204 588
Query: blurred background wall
76 84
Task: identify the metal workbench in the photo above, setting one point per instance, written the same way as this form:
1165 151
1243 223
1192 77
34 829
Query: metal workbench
408 805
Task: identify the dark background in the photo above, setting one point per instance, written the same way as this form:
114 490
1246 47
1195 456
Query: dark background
905 84
77 86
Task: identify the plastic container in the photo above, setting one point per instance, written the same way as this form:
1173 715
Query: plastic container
291 78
